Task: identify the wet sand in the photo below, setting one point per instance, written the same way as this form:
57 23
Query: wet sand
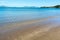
45 29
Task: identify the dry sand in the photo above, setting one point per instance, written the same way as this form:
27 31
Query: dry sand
46 29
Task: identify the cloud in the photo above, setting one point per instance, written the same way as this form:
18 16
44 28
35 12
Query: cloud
2 3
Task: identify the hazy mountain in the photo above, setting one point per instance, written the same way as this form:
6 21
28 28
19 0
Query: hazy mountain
57 6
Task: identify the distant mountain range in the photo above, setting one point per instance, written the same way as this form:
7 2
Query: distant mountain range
18 7
57 6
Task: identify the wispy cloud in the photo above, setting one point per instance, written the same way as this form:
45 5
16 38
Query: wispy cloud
2 2
29 2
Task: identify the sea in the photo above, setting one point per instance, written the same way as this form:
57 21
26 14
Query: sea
11 15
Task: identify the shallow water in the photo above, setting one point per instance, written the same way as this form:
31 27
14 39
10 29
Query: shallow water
10 15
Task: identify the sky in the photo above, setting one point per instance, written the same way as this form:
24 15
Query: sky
21 3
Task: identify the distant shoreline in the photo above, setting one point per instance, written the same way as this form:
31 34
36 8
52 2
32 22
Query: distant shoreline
56 6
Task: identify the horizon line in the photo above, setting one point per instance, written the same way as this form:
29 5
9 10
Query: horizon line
26 6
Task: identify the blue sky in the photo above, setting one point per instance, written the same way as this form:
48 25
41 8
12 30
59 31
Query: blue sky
20 3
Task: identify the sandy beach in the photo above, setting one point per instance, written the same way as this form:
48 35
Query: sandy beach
45 29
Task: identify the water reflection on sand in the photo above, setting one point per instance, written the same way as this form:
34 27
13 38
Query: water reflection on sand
46 29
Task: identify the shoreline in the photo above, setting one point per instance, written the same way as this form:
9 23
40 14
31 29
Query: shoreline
28 30
12 25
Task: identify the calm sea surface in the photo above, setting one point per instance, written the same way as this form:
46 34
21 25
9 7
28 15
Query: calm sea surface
8 15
